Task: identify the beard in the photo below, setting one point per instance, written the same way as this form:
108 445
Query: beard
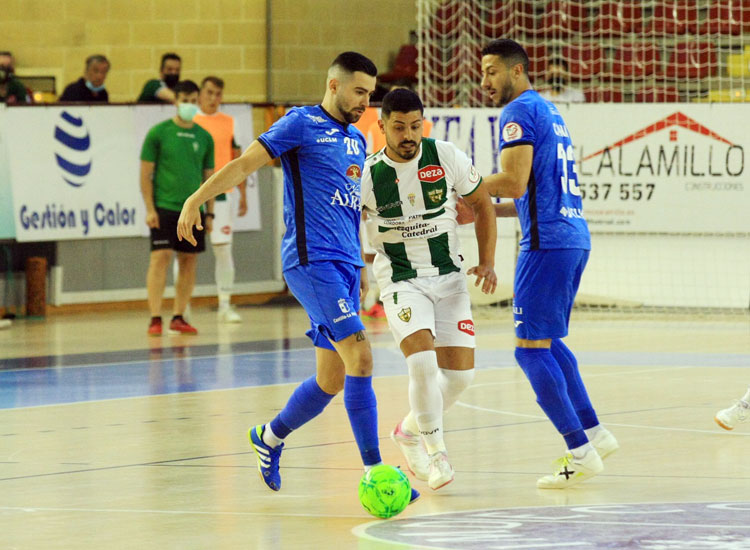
506 94
402 154
351 116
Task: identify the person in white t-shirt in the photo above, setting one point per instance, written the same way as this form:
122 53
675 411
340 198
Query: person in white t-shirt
409 194
557 89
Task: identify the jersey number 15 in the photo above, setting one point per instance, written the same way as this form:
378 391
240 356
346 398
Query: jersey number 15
569 184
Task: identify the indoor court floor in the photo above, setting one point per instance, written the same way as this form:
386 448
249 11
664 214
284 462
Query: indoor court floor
110 439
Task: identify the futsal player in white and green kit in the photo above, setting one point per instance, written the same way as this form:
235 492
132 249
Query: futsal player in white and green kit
409 194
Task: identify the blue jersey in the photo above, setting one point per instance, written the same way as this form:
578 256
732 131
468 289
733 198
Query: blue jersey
551 212
322 160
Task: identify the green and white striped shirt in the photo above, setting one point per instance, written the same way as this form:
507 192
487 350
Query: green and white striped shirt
411 210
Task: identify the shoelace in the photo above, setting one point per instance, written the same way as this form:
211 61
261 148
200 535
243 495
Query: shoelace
560 463
742 411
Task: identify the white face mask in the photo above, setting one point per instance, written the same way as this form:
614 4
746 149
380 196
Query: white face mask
187 111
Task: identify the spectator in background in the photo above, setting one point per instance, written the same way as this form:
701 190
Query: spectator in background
12 90
176 157
557 89
221 128
90 87
161 90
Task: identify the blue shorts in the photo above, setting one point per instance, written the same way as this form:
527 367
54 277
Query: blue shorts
544 290
329 292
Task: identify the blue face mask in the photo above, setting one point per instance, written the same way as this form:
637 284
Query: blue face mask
186 111
93 88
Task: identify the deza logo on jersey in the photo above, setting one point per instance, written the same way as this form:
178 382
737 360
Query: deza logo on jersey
466 326
431 173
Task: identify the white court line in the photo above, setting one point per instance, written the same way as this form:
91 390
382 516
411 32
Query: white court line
598 375
31 509
638 426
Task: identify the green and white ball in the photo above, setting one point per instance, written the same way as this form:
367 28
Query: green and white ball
384 491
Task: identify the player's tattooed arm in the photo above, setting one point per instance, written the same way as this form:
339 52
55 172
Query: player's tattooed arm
360 336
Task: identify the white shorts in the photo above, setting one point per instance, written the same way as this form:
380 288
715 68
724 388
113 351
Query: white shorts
222 229
440 304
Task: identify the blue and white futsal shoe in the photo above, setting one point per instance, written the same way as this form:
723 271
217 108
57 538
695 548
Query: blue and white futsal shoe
268 457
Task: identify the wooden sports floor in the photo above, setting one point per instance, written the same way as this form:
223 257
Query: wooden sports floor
111 439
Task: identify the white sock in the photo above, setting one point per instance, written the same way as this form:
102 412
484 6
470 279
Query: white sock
269 438
591 432
373 294
746 397
409 424
224 273
580 452
426 399
452 383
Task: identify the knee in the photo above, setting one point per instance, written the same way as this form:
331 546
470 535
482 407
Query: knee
331 383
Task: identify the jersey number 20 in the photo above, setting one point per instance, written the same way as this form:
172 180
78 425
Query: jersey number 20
569 184
352 147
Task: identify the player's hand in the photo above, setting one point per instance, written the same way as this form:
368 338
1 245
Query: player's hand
364 285
152 219
486 274
242 208
190 217
464 212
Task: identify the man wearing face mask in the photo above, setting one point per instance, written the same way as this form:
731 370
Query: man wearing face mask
12 91
557 89
176 158
90 87
161 90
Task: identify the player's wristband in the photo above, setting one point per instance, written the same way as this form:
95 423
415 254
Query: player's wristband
210 215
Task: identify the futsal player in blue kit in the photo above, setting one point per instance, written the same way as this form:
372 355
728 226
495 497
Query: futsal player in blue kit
539 173
322 155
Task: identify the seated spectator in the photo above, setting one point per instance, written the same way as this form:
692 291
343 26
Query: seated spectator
557 89
12 90
90 87
161 90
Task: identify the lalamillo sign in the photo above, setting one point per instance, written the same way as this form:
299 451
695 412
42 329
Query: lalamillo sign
672 168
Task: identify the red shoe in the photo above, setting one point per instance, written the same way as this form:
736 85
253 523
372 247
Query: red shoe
154 329
178 325
377 311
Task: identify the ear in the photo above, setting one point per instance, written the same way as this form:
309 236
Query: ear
381 125
333 85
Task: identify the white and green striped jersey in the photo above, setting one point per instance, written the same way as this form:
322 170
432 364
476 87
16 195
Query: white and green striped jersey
411 210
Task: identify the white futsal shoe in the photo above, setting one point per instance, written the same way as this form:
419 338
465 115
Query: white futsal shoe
570 471
441 471
414 451
605 443
728 418
229 315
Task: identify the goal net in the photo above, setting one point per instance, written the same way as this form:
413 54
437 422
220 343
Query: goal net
661 160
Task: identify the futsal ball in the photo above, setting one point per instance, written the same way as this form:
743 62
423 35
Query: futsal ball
384 491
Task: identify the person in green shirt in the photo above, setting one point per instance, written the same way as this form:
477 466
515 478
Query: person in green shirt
161 90
176 158
12 91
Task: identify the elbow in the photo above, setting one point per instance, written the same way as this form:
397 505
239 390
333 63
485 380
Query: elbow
518 191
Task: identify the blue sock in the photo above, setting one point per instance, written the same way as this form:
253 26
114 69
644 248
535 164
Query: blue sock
576 390
307 402
548 382
362 408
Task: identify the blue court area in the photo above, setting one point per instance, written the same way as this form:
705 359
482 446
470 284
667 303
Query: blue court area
51 380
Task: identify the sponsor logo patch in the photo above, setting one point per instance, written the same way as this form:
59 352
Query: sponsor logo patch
466 326
512 131
412 198
354 172
431 173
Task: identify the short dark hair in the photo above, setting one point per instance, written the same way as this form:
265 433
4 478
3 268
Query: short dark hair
185 87
509 51
215 80
167 56
96 58
401 100
353 62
